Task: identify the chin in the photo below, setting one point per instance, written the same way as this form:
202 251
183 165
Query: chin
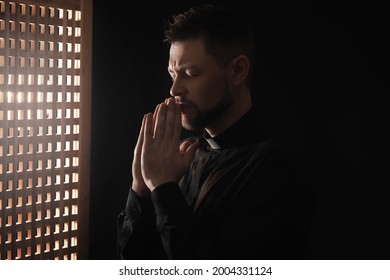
187 124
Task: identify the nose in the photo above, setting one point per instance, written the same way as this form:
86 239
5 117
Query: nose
177 88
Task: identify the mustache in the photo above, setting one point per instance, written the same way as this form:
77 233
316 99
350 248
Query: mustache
184 102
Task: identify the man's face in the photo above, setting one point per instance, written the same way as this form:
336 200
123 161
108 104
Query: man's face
200 85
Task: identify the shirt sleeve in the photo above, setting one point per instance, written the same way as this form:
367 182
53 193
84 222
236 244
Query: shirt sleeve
269 217
182 235
265 217
137 237
161 226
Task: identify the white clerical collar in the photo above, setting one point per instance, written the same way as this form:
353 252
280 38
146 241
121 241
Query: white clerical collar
214 145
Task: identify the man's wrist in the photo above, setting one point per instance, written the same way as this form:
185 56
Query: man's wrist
141 190
153 185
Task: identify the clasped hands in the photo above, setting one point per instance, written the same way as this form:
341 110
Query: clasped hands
159 156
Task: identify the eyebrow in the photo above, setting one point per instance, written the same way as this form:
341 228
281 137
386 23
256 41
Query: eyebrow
183 67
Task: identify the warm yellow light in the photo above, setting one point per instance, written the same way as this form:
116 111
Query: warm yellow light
39 92
10 97
19 97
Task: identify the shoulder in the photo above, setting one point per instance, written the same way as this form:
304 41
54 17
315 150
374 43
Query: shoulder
282 166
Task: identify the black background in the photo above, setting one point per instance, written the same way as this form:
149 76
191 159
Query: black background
322 73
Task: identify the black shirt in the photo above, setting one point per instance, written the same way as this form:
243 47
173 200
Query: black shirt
243 198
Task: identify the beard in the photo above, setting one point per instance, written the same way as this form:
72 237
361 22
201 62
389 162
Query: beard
200 120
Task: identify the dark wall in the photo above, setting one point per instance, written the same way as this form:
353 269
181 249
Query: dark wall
321 77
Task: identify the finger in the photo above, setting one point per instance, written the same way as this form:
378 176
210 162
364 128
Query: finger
177 122
170 119
140 139
148 129
190 153
155 118
184 146
160 125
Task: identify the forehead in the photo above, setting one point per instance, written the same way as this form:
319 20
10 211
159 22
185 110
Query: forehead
189 52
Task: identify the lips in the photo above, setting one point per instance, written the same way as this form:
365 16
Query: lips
183 103
184 107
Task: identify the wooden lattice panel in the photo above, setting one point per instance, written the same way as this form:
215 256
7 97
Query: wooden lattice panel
40 62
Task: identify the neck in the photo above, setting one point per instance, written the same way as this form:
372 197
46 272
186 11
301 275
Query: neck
230 116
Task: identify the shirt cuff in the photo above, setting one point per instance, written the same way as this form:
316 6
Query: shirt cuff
136 205
168 199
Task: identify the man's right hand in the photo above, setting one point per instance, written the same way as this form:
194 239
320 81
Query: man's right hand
139 186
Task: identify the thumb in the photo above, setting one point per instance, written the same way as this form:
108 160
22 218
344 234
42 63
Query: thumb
184 146
189 153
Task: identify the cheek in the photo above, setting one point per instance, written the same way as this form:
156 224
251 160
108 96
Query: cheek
209 93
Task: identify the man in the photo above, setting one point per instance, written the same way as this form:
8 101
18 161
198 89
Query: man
230 194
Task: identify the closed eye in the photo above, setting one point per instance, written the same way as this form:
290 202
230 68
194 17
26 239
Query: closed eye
191 74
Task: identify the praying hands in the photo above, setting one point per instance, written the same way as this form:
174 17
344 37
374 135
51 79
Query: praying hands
159 156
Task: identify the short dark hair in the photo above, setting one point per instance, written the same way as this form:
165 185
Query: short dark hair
226 35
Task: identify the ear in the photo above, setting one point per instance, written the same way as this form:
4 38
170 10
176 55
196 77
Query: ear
239 70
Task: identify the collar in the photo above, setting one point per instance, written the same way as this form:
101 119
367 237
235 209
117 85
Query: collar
246 131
